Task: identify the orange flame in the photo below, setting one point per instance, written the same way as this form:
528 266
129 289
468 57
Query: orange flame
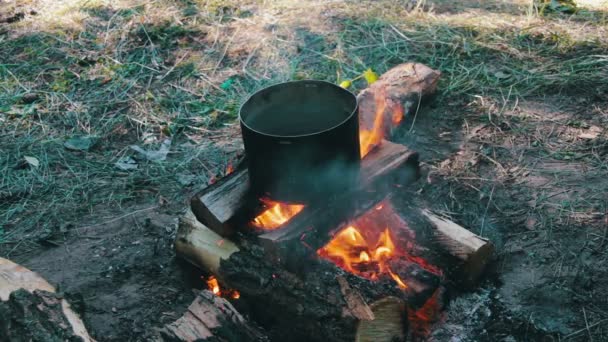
350 250
366 247
370 137
276 214
229 169
214 286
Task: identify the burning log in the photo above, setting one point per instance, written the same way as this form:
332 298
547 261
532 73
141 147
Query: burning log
396 94
324 303
473 251
210 317
385 166
30 309
218 205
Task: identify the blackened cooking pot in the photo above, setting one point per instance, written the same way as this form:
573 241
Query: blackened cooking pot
301 140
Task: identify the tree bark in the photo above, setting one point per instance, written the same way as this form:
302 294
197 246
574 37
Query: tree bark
210 317
398 93
29 308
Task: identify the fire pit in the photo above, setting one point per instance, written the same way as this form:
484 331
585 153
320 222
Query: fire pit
331 262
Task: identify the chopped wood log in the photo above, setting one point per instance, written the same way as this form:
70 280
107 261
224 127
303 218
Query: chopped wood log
210 317
473 251
397 93
310 306
217 204
390 324
201 246
29 309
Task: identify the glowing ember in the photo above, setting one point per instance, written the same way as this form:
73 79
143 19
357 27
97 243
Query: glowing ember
367 246
214 286
276 214
370 137
350 250
422 320
229 169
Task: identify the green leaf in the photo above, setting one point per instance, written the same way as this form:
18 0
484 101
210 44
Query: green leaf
81 143
32 161
370 76
227 84
345 84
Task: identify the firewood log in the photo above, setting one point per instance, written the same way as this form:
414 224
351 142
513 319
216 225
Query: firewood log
324 303
29 299
397 93
473 251
210 317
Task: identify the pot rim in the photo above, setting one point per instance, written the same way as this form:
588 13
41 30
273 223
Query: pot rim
335 86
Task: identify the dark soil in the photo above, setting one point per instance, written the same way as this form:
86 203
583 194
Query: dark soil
120 273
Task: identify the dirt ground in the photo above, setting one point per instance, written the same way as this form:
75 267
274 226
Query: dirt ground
514 145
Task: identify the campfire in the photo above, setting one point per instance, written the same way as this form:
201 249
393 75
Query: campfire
366 246
324 254
276 214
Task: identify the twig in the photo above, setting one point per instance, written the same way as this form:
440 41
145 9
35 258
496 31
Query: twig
416 113
400 33
117 218
225 51
586 328
587 325
483 219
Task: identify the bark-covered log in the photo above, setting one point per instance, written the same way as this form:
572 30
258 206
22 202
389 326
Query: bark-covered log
324 303
210 317
397 93
472 251
29 309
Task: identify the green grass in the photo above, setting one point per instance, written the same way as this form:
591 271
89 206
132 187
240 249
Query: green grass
128 76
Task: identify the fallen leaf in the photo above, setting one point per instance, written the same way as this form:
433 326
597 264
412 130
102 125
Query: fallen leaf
126 163
592 133
501 75
531 223
82 143
370 76
345 84
158 155
29 98
32 161
185 179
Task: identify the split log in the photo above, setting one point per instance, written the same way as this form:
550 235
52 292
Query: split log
210 317
220 205
390 316
472 251
397 93
30 309
325 303
217 204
